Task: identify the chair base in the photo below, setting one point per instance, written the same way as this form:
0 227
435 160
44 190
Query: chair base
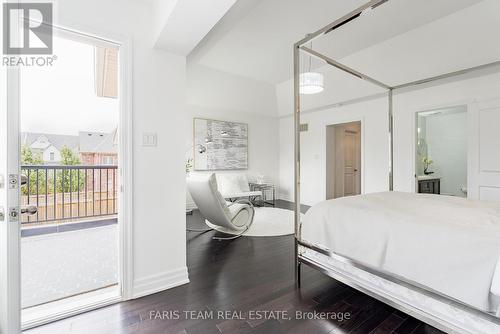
234 236
218 238
199 230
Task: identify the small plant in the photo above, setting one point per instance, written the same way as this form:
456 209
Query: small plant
189 165
427 162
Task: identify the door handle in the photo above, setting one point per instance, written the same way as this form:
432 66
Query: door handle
24 179
29 210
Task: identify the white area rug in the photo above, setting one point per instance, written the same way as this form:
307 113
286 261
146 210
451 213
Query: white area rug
267 222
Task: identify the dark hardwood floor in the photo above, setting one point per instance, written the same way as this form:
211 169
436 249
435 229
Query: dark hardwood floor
244 275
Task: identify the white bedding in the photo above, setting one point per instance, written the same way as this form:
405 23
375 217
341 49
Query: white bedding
449 244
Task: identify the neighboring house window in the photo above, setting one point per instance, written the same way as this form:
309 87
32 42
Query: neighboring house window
52 156
107 160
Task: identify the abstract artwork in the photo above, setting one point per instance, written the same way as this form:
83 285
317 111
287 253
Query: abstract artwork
220 145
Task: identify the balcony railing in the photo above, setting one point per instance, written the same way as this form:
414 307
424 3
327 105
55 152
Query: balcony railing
68 193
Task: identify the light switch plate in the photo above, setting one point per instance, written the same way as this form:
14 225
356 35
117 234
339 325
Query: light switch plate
149 139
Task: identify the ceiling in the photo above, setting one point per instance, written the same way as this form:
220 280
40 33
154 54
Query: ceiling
179 25
255 38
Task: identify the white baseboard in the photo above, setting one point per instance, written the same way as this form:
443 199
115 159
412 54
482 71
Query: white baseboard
285 198
159 282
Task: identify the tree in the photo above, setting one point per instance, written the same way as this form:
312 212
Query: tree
37 177
69 158
28 158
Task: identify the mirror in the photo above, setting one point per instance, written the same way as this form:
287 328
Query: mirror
441 152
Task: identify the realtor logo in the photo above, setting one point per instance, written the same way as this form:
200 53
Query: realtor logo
33 34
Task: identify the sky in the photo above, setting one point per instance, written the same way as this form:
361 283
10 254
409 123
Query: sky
61 99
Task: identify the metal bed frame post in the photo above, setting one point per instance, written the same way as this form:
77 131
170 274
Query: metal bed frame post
391 140
296 88
300 47
296 114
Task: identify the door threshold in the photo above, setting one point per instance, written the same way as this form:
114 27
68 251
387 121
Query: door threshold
43 314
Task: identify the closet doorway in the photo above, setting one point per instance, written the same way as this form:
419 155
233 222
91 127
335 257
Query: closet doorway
343 160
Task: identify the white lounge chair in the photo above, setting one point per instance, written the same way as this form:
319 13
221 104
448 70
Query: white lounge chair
236 216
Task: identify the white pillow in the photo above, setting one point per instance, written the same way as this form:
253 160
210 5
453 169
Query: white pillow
241 179
232 183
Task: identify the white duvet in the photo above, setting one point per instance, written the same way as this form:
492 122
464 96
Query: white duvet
449 244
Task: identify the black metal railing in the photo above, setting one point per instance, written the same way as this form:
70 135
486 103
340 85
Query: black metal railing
65 193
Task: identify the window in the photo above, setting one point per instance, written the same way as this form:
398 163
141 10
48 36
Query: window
52 156
107 160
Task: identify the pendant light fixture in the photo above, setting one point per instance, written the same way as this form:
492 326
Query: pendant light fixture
311 82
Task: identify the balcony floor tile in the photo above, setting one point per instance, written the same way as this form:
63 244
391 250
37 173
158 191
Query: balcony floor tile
59 265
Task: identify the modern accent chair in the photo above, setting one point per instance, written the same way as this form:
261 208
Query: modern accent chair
235 216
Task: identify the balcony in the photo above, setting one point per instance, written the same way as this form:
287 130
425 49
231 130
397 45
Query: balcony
70 245
69 193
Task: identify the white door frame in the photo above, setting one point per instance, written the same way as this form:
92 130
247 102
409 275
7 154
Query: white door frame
346 120
10 274
10 278
125 216
125 150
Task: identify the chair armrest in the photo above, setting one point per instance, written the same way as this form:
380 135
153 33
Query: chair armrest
241 201
243 194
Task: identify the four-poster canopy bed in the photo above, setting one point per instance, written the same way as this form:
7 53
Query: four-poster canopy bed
423 301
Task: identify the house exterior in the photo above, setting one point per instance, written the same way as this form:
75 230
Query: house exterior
93 148
51 155
49 146
98 148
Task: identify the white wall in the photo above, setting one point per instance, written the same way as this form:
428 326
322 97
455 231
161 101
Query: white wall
217 95
262 138
214 89
373 114
374 153
464 92
158 94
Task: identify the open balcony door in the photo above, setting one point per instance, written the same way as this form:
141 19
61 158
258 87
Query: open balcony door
10 308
